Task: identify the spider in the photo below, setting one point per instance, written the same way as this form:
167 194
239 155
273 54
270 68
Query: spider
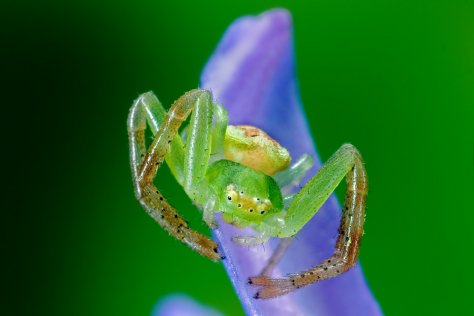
240 171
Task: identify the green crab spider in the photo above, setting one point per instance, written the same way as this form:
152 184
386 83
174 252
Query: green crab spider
241 172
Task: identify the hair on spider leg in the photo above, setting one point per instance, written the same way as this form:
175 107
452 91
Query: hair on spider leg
296 237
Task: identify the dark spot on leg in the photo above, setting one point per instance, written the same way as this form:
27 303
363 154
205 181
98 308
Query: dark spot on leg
175 215
347 238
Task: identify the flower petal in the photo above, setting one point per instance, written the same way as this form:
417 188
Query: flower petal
252 73
181 305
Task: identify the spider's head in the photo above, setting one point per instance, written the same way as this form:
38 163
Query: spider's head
245 195
247 202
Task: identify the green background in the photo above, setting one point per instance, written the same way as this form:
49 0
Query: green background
395 78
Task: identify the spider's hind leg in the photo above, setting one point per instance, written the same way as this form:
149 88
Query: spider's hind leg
279 252
288 179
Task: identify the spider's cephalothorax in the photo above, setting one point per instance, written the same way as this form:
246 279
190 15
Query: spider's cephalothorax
244 196
241 172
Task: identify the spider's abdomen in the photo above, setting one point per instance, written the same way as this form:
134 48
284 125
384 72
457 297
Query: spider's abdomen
254 148
242 192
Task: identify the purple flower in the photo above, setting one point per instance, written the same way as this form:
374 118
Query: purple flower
181 305
252 73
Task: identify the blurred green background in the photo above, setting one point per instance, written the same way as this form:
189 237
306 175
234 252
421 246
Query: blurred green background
394 78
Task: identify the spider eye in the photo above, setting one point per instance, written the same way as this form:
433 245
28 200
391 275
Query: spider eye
262 212
231 194
239 205
251 210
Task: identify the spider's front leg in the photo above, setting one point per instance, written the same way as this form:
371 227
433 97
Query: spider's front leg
345 162
145 164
